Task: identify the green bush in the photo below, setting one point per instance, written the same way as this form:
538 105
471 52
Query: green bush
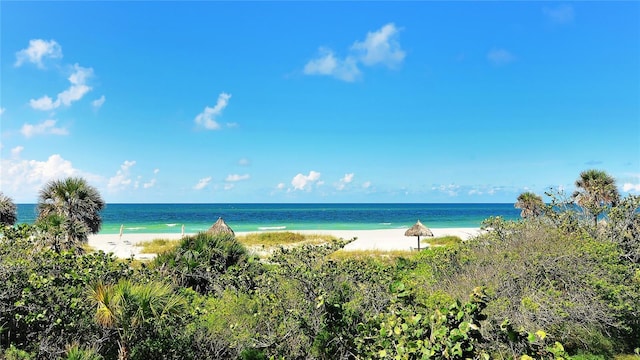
208 264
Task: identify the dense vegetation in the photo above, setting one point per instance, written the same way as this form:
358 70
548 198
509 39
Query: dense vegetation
555 285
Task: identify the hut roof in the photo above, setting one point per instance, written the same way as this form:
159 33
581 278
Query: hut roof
418 230
220 227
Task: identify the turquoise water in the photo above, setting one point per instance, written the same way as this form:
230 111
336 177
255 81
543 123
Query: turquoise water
169 218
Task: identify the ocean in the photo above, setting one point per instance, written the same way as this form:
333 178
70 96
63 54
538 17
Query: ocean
169 218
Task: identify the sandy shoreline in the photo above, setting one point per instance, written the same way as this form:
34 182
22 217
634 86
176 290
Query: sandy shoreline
388 239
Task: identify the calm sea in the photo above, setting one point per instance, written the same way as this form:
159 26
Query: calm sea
169 218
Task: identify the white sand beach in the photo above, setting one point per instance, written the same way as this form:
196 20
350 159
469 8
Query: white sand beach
388 239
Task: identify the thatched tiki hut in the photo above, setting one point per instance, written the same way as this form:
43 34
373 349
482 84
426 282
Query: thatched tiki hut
220 227
418 230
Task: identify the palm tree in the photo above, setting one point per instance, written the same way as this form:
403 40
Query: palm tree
531 205
129 308
75 201
8 213
596 190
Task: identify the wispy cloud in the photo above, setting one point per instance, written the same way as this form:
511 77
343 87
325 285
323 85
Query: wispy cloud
379 47
366 184
304 182
208 117
75 92
244 162
37 51
236 177
45 127
16 151
346 179
484 190
632 184
97 103
450 189
122 178
327 64
562 14
2 110
202 183
44 103
151 183
500 56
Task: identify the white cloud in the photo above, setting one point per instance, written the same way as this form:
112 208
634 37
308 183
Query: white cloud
451 189
562 14
22 179
2 110
304 182
366 184
75 92
236 177
346 179
323 65
78 88
44 103
202 183
500 56
207 118
38 49
281 186
97 103
631 188
229 186
122 178
16 151
244 162
328 64
380 47
45 127
149 184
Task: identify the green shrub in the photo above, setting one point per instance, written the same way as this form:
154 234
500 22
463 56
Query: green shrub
208 263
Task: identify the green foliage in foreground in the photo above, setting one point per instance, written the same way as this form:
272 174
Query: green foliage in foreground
546 287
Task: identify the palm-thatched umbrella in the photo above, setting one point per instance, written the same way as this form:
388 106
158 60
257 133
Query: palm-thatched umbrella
418 230
220 227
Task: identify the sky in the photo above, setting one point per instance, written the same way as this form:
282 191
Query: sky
322 102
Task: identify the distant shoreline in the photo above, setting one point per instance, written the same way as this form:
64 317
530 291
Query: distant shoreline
160 219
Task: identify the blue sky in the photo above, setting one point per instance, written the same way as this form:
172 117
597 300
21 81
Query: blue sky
318 101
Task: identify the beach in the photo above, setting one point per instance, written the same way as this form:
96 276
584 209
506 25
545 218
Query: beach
125 246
